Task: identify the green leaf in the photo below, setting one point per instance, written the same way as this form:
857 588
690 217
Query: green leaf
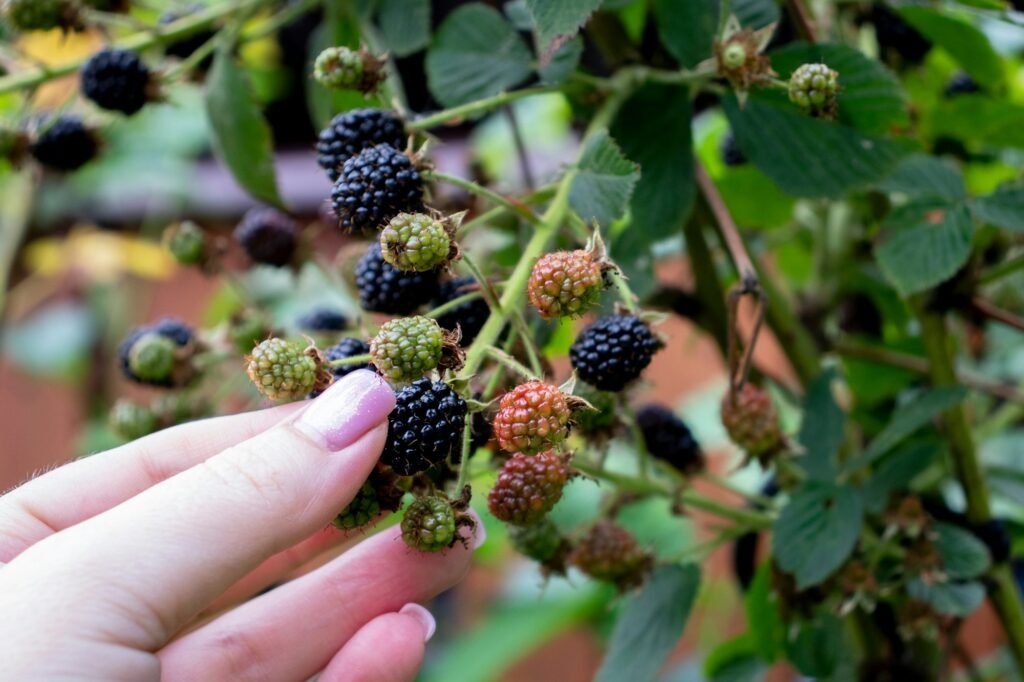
896 473
949 599
964 42
923 175
650 625
870 99
476 54
958 118
731 660
404 25
808 157
755 13
764 624
908 419
964 556
753 199
924 243
687 28
563 63
604 181
1003 208
816 649
821 430
816 531
557 22
241 136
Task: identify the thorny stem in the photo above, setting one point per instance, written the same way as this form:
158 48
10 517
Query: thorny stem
521 151
478 107
354 360
453 304
994 312
1002 588
626 294
467 439
730 233
473 188
506 360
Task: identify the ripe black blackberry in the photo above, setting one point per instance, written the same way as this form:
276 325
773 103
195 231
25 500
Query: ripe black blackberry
348 347
668 438
732 155
374 186
384 288
170 328
65 145
323 320
424 428
960 84
469 316
613 351
353 131
268 236
117 80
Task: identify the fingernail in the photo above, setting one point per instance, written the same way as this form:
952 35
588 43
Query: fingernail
479 531
423 616
349 408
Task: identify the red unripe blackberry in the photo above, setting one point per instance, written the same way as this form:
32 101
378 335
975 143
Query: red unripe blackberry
528 487
117 80
752 423
565 283
610 553
532 417
268 236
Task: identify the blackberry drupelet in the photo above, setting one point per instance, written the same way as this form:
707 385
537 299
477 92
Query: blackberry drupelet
374 186
352 132
268 236
323 320
384 288
613 351
116 80
470 316
65 145
425 426
668 438
348 347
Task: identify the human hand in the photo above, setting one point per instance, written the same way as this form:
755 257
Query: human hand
138 563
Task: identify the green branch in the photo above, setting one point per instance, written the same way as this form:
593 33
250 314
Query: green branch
478 107
474 188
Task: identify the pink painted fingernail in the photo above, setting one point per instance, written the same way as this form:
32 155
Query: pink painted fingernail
423 616
349 408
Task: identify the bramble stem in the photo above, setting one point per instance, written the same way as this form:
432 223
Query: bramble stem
345 362
478 107
474 188
1002 589
626 294
506 360
1002 270
467 439
453 304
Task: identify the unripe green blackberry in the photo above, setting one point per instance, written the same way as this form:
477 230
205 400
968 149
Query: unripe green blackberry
342 68
42 15
429 524
185 346
152 358
813 88
407 348
565 283
528 487
416 242
131 420
379 494
532 417
610 553
752 423
543 543
282 370
186 242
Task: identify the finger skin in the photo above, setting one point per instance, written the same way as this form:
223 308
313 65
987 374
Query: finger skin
293 631
86 487
387 649
139 572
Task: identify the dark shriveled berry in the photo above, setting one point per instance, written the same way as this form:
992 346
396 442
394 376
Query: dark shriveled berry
384 288
116 80
352 132
669 439
374 186
268 236
613 351
424 428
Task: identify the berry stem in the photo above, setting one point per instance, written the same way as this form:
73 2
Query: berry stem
480 106
353 360
467 439
1002 589
474 188
452 304
997 272
626 294
506 360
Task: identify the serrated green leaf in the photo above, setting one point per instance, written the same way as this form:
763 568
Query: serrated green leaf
923 175
908 419
870 99
755 13
604 181
924 244
964 556
475 54
1003 208
949 599
963 41
240 135
557 21
817 647
687 28
563 63
764 624
404 25
816 531
897 471
651 624
822 427
808 157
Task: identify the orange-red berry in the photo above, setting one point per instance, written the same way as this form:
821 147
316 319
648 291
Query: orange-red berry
532 417
565 284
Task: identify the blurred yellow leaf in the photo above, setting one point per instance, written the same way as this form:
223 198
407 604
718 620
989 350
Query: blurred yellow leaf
53 48
99 256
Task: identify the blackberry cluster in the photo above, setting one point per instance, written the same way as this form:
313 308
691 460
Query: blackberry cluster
424 428
282 370
668 438
374 186
268 236
352 132
470 316
323 320
613 351
383 288
174 330
65 145
752 423
348 347
429 524
565 283
117 80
